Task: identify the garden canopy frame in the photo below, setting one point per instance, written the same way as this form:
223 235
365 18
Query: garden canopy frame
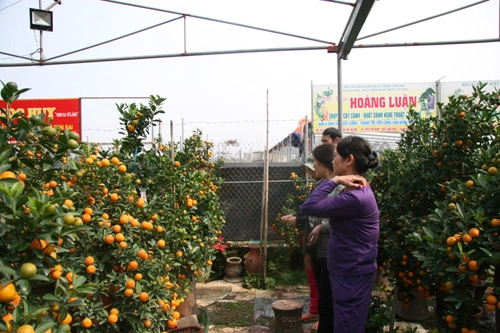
359 14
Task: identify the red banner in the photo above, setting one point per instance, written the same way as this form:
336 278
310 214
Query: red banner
64 113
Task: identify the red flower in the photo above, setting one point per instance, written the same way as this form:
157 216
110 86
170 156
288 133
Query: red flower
219 245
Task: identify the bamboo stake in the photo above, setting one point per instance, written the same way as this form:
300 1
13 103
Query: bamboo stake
172 153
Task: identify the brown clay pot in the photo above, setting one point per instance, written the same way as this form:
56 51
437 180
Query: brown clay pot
252 260
234 270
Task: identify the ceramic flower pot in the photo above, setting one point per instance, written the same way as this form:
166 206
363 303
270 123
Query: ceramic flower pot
252 260
234 270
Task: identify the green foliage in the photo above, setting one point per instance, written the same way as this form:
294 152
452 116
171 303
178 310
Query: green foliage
137 121
292 278
251 280
379 314
10 92
279 274
289 234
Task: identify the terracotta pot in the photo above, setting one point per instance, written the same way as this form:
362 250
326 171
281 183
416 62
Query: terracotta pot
252 260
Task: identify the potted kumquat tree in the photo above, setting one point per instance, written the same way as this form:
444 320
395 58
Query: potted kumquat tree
438 201
119 233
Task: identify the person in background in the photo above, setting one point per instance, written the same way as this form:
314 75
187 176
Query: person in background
331 135
354 220
317 247
303 222
319 236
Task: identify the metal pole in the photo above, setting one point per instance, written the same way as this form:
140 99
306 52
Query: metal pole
220 21
172 156
306 148
339 89
172 152
451 42
438 95
422 20
182 132
160 56
266 189
114 39
41 46
185 51
313 130
306 141
41 35
341 2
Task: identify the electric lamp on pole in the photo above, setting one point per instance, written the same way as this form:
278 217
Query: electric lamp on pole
41 19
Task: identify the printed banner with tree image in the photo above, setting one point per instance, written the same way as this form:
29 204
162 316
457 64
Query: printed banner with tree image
379 107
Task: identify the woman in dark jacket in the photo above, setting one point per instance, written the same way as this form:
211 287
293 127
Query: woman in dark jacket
317 247
354 220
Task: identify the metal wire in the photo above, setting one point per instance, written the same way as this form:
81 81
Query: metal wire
422 20
114 39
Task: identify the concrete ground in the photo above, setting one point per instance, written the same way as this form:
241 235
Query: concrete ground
220 290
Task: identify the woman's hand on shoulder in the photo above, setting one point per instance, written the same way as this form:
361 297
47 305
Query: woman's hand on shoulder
354 181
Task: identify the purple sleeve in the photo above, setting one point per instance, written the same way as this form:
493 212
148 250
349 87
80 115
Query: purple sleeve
318 203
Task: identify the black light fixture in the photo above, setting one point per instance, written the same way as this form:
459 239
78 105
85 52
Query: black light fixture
41 19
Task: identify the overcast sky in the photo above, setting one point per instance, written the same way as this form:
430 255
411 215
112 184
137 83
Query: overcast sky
231 89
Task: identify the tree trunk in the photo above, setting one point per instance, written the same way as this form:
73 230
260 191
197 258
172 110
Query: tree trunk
287 316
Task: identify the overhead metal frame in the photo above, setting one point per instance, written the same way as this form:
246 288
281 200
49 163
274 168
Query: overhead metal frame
359 14
49 61
353 27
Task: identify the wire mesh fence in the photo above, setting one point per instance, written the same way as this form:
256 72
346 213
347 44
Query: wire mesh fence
242 197
243 174
286 150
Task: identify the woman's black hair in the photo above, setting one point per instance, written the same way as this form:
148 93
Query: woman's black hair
364 157
324 154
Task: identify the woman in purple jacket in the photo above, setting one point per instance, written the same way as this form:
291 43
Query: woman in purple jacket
354 222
